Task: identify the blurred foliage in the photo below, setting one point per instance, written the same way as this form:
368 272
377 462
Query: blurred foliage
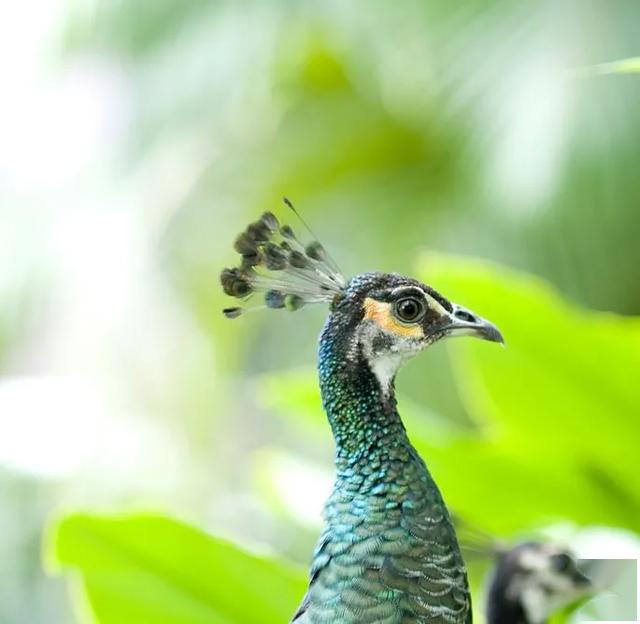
553 436
464 128
146 569
626 66
556 411
139 137
555 422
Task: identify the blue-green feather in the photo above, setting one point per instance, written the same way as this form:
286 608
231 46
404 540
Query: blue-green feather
389 551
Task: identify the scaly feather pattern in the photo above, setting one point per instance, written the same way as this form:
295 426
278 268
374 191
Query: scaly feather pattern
389 553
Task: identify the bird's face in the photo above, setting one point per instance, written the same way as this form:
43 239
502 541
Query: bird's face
396 317
543 579
385 317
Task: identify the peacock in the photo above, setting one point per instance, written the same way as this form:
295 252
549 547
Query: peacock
532 581
389 552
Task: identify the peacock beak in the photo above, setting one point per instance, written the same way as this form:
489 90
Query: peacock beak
581 581
463 322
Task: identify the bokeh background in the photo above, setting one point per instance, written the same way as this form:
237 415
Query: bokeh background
138 138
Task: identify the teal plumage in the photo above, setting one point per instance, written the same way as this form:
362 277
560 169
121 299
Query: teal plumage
389 553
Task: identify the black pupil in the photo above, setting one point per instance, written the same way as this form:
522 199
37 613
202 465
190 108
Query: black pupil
561 562
408 309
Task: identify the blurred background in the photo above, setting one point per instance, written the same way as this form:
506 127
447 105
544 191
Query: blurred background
138 138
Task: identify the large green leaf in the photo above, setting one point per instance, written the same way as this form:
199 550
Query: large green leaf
557 411
561 402
477 474
149 569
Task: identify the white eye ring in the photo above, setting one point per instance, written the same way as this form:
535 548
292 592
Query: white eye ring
409 309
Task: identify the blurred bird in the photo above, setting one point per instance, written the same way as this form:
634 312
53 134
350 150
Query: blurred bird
533 581
389 551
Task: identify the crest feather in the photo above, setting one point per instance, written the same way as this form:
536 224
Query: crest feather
277 265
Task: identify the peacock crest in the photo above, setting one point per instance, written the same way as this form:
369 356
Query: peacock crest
277 265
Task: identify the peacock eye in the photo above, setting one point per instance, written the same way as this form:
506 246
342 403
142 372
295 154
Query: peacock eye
409 309
561 562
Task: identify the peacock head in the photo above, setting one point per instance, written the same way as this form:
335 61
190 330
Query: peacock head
388 316
396 317
538 578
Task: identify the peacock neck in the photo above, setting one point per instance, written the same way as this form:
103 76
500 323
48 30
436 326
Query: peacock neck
363 415
388 548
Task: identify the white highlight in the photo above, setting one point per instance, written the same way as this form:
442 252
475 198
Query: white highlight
57 427
298 486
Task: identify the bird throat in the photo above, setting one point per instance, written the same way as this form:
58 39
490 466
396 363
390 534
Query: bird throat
385 520
359 399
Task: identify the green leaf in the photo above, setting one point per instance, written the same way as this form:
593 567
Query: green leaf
145 569
559 404
556 411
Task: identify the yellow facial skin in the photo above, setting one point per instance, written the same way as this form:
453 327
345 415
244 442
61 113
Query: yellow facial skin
380 313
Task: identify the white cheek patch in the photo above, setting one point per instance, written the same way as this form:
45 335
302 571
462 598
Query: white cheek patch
540 605
534 560
535 603
385 366
543 591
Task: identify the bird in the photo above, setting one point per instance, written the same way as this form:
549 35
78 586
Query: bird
532 581
388 552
